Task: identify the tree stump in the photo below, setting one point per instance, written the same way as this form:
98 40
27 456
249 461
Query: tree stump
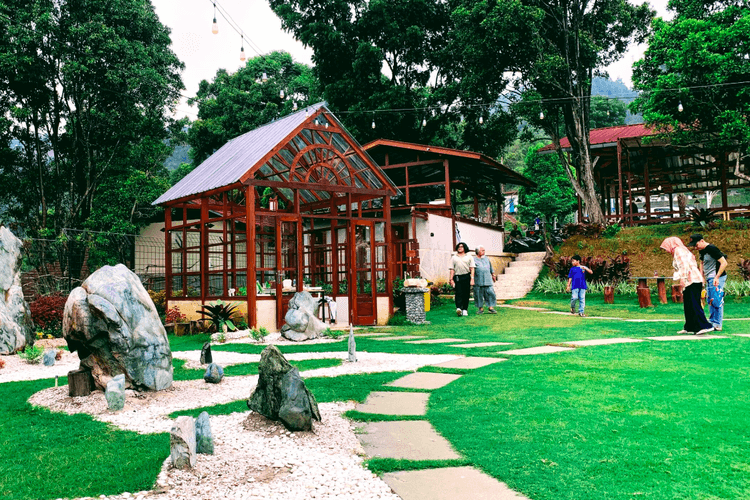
644 297
609 295
677 294
80 383
661 286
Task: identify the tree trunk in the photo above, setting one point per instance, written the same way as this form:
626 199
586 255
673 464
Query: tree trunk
80 383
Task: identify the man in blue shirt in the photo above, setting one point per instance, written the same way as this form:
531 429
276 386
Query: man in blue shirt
577 284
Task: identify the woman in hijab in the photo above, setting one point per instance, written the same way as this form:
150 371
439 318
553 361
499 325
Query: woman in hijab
688 275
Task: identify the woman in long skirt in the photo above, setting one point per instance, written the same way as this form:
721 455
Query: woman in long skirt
687 274
484 279
462 277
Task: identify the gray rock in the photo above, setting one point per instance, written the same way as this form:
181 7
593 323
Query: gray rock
204 440
115 393
301 319
16 327
214 374
113 324
49 357
281 394
352 346
182 443
206 357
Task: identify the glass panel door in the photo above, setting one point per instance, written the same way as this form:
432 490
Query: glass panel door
287 231
363 291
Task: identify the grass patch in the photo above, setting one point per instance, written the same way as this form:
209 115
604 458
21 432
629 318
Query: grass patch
53 455
379 417
382 466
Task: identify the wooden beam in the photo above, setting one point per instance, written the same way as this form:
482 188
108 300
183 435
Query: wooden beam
252 315
329 188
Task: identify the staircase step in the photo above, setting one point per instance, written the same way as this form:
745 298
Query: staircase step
538 256
526 263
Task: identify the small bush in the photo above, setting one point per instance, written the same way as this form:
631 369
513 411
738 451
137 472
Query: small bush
593 230
47 313
220 314
334 334
744 266
611 231
32 355
398 319
257 334
173 315
550 284
704 217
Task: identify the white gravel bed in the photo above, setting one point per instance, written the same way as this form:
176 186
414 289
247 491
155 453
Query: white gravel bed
243 337
17 369
146 412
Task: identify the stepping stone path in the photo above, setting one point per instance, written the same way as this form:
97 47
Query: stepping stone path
544 349
583 343
482 344
435 341
372 334
418 440
687 337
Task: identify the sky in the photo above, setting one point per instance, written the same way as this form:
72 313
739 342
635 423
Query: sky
204 53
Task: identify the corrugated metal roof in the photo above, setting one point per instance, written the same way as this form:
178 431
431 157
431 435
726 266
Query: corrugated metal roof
608 135
233 159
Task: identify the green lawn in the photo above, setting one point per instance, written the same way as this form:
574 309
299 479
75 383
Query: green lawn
655 420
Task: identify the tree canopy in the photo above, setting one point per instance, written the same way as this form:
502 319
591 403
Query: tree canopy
694 76
232 104
553 197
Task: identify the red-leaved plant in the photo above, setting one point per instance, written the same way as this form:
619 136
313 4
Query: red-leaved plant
47 312
174 316
744 266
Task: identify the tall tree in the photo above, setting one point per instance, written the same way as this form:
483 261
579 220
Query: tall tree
553 197
235 103
86 86
554 49
398 55
694 77
607 112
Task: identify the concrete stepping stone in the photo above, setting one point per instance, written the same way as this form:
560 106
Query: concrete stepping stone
469 363
405 439
424 380
741 334
400 337
544 349
482 344
449 483
582 343
687 337
435 341
395 403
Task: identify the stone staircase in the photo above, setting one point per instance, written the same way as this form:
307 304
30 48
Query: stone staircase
518 278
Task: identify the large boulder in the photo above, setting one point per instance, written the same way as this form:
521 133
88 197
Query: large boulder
281 394
113 324
301 319
16 328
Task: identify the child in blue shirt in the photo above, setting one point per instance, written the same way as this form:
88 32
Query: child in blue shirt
577 283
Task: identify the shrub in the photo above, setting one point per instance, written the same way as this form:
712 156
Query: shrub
173 315
744 266
220 314
549 284
32 355
334 334
47 313
612 271
240 322
704 217
738 288
257 334
160 301
398 320
611 230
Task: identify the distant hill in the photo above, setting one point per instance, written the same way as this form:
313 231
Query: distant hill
181 155
618 90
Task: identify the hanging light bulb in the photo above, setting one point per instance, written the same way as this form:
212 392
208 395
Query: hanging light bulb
481 120
307 113
326 124
373 122
215 25
264 78
294 106
242 50
607 112
316 121
679 107
424 122
281 94
541 115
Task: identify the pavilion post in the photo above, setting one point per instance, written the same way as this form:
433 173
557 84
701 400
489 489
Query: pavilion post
647 188
621 198
204 249
446 166
168 250
225 249
388 251
252 316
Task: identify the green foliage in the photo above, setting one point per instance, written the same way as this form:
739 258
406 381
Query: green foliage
220 314
737 288
553 198
32 354
232 104
334 334
258 334
698 59
550 284
703 217
612 230
606 112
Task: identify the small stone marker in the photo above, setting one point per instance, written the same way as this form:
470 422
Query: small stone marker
204 440
182 443
115 393
352 345
214 374
206 357
49 357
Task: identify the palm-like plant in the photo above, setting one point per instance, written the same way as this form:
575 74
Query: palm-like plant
220 314
703 217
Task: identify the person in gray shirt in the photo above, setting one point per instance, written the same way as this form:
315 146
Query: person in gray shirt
484 279
713 265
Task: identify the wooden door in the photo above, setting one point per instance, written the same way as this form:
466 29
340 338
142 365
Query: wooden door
363 291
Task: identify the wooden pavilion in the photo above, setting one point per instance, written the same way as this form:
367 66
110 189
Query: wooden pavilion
313 205
634 172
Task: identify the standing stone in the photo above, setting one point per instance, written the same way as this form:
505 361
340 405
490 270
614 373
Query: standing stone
352 346
206 358
301 319
204 440
113 324
214 374
16 328
281 394
182 443
115 393
49 358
